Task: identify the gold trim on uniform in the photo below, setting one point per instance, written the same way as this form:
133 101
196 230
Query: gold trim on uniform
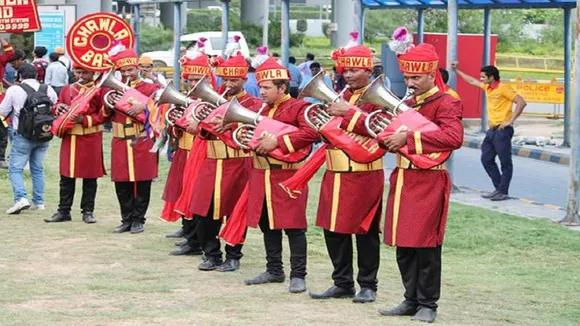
276 105
418 144
288 143
78 130
338 161
335 200
186 141
421 98
405 163
130 161
124 130
353 121
89 121
269 163
73 150
217 193
268 188
218 150
397 203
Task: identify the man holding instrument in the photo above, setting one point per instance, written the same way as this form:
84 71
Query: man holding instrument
81 149
268 204
342 210
133 166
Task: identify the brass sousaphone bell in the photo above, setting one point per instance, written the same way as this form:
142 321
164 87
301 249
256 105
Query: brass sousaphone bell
108 80
171 95
315 114
377 94
248 120
211 99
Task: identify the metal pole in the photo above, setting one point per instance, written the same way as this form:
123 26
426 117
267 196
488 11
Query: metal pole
572 217
452 56
176 44
359 23
225 25
486 60
265 22
420 25
137 28
285 32
567 77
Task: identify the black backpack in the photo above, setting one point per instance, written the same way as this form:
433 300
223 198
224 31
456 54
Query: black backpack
35 120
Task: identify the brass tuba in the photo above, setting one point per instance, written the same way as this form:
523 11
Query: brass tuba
211 99
235 112
171 95
108 80
377 94
315 114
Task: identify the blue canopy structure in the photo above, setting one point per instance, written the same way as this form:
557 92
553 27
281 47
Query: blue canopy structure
468 4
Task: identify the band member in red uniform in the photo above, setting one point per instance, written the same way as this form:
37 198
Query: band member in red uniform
418 199
268 205
223 175
133 166
81 150
342 210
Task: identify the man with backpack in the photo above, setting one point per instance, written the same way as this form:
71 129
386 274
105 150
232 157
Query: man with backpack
29 107
40 63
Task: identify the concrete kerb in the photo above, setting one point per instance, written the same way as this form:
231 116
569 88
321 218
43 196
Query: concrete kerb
538 154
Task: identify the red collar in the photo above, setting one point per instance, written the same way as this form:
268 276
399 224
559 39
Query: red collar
493 85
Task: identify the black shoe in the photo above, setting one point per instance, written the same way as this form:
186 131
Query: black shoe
125 227
365 295
264 278
488 195
500 197
230 265
426 315
58 217
210 264
176 234
297 285
137 227
334 292
404 308
181 243
186 250
89 218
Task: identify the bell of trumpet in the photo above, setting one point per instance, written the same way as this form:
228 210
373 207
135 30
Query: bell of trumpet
108 80
171 95
248 120
377 94
318 89
203 90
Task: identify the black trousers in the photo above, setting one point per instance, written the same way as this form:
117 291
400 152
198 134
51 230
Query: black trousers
67 194
133 199
3 141
190 232
421 273
340 249
498 143
207 233
273 244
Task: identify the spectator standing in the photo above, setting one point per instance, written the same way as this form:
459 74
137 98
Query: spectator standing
251 85
23 150
295 77
146 68
314 69
498 138
305 65
63 58
17 60
56 73
40 62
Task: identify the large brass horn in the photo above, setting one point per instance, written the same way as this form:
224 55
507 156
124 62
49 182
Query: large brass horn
248 120
377 94
109 81
171 95
211 99
315 114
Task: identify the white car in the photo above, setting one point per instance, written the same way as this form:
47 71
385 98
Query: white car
213 47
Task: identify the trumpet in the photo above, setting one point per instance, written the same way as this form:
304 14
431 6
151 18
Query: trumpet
171 95
118 87
377 94
315 114
235 112
211 99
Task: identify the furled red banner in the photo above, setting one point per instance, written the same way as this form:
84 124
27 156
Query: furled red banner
18 16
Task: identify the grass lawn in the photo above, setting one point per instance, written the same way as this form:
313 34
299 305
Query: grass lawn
497 270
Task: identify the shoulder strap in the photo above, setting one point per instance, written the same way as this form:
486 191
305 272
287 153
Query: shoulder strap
43 89
27 88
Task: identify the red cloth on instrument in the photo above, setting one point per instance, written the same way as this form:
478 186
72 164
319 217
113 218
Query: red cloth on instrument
299 180
234 228
197 155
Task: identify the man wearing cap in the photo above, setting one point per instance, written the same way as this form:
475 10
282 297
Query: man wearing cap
419 198
146 67
268 204
223 174
133 166
81 150
342 210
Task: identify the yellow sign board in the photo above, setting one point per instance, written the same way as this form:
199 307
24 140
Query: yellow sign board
534 92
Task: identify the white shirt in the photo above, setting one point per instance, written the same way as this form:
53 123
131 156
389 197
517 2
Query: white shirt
160 78
56 74
15 98
65 60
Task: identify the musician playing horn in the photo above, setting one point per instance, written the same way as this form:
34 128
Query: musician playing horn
419 198
81 150
351 192
268 205
224 173
133 166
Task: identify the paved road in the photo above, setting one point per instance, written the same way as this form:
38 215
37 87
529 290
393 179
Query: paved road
535 180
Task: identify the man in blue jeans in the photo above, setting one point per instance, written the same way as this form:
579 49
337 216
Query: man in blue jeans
23 150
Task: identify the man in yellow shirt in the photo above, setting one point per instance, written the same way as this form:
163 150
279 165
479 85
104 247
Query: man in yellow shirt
498 138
